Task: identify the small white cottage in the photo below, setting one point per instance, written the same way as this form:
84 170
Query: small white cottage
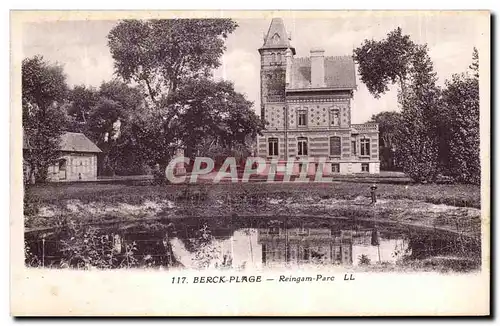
77 161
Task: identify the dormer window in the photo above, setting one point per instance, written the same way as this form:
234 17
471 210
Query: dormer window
276 38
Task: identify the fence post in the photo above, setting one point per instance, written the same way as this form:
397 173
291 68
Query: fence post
43 250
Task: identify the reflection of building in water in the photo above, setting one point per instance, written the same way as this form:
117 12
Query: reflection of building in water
305 245
359 237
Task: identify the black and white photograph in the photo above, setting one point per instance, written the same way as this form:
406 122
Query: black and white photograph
262 149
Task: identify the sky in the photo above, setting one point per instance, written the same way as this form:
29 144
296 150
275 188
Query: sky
81 47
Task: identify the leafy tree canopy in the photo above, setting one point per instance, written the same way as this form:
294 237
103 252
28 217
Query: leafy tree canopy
460 114
160 53
388 125
385 62
44 91
215 110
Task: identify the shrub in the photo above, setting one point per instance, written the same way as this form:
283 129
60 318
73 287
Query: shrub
364 260
31 203
87 247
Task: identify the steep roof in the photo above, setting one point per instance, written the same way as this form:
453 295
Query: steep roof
72 142
77 142
339 73
277 37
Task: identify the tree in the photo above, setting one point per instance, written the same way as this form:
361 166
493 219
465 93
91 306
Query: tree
109 126
104 115
160 55
461 115
82 100
398 60
214 110
124 153
418 141
474 67
389 123
44 90
385 62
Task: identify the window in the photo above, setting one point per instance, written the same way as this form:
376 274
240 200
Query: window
273 57
365 147
276 38
335 168
273 146
279 57
302 116
334 117
353 147
365 167
335 146
302 144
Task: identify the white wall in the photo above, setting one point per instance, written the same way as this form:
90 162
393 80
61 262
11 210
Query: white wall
78 167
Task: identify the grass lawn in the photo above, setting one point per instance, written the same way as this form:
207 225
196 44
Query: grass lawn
454 195
450 207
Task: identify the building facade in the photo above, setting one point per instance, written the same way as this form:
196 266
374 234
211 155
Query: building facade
77 159
306 104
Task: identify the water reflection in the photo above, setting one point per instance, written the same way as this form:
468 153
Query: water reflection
304 245
243 243
275 246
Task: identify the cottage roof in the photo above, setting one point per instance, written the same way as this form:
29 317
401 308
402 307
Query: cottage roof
277 37
339 73
77 142
72 142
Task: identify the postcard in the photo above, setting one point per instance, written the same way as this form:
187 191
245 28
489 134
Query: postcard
250 163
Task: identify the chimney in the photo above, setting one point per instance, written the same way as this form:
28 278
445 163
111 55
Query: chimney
317 67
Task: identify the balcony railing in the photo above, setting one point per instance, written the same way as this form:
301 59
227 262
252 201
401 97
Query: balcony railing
371 126
275 98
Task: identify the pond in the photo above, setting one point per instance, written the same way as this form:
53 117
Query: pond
242 242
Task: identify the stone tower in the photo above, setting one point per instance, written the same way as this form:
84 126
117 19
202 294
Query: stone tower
306 104
273 56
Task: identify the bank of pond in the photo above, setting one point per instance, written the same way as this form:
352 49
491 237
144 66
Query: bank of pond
257 243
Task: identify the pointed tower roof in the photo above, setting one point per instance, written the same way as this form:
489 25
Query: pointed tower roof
277 37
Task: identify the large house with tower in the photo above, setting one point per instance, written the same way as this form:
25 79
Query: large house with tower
306 104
